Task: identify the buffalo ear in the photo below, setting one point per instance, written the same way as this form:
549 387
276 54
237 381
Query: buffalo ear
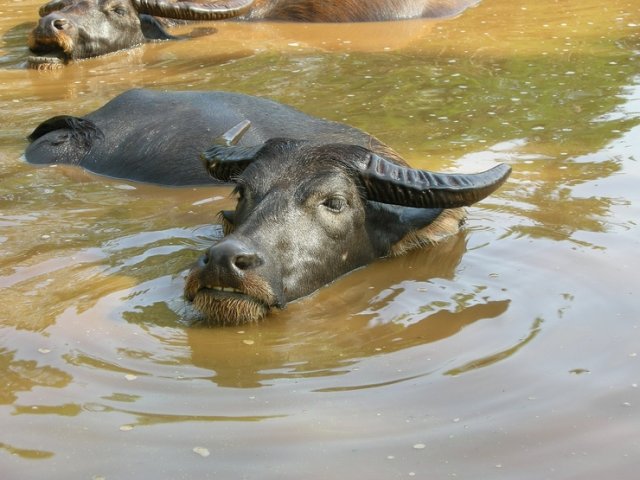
224 163
62 139
152 29
397 223
225 160
79 127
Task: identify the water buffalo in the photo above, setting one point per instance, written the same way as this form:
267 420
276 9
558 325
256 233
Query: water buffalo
316 199
308 213
157 137
75 29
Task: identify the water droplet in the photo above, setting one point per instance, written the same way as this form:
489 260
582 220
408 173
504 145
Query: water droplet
202 451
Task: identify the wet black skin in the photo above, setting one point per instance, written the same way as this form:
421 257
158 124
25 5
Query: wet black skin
157 137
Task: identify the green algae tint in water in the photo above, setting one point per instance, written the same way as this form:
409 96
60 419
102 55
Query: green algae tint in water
470 348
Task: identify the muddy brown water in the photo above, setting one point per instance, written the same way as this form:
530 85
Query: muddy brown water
511 351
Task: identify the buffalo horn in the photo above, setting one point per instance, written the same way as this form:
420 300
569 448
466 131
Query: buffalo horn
193 11
234 134
388 182
52 6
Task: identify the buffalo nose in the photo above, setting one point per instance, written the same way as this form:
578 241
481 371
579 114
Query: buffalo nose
234 256
54 23
60 23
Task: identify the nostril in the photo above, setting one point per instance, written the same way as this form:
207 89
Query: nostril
60 24
246 261
233 257
204 259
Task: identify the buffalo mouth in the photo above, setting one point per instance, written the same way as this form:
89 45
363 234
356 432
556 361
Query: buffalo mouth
50 52
223 305
43 62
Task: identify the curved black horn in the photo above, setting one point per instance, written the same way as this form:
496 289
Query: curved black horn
224 160
193 11
52 6
388 182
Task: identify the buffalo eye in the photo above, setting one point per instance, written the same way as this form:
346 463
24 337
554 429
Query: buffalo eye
335 203
119 9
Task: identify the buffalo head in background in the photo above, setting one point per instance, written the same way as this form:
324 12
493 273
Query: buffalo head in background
76 29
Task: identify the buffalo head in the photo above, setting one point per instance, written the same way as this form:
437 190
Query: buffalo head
75 29
309 213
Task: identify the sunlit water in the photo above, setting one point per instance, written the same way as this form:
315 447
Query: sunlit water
509 351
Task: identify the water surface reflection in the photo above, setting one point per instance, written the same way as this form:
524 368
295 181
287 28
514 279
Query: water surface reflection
509 351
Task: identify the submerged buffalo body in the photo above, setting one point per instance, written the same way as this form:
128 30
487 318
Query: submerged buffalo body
158 137
75 29
316 199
